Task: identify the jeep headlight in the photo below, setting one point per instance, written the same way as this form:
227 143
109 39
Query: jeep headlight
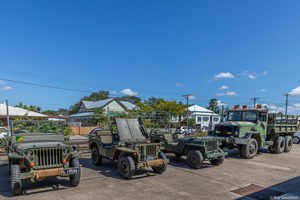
66 151
28 153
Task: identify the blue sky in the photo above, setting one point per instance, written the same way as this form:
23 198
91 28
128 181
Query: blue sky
151 48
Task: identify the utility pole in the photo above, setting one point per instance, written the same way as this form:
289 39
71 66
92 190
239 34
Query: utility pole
187 108
254 100
286 103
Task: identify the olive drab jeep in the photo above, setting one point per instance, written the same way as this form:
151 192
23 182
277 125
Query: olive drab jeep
127 144
37 151
197 149
251 128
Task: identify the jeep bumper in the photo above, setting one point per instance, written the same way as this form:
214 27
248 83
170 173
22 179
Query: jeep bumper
215 155
234 140
152 163
43 173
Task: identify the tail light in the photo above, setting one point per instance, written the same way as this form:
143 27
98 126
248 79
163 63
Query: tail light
244 106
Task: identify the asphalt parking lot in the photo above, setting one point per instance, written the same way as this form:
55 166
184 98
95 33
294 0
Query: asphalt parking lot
277 172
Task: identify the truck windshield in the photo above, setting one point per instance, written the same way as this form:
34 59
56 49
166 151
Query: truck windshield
242 116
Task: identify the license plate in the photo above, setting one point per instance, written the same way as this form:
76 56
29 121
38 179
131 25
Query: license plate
150 157
211 155
70 171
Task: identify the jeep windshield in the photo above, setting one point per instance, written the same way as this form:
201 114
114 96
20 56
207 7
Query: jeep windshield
248 116
36 127
129 130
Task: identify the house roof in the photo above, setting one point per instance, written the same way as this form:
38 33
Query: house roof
102 103
55 116
15 111
200 109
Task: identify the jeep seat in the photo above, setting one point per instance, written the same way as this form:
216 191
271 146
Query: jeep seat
106 141
169 139
180 136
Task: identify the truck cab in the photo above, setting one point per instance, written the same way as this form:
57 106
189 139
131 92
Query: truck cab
251 128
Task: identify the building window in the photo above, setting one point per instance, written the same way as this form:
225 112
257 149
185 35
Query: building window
216 119
205 119
199 119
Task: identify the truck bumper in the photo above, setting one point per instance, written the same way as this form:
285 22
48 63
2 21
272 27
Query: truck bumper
234 140
152 163
43 173
215 155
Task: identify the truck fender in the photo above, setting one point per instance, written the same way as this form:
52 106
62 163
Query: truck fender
188 147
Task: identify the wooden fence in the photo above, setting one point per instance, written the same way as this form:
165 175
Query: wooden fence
82 130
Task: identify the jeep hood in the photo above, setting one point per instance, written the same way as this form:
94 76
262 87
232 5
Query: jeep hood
33 145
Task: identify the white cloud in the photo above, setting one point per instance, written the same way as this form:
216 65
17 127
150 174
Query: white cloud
192 97
227 93
223 87
221 104
295 92
114 92
208 81
253 75
2 83
129 92
25 92
7 88
293 109
262 90
223 75
179 85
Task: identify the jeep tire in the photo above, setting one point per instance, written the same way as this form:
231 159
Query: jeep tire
96 158
219 160
249 150
16 185
75 178
288 143
194 159
279 145
160 169
126 166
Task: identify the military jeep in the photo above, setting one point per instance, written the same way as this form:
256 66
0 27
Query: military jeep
37 151
196 149
126 143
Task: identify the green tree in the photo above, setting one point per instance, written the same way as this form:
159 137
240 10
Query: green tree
192 122
50 112
213 106
131 99
30 108
98 116
96 96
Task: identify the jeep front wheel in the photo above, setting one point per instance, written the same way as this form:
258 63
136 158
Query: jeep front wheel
194 159
96 158
219 160
16 185
75 178
160 169
250 150
126 166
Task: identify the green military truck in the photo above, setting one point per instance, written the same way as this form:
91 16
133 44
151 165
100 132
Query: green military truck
251 128
37 151
126 143
196 149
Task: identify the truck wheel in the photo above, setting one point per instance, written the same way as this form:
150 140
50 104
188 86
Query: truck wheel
295 140
250 150
96 158
160 169
288 143
178 155
271 149
279 145
75 178
126 166
194 159
16 185
219 160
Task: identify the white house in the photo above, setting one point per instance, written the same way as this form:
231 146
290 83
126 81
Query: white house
203 116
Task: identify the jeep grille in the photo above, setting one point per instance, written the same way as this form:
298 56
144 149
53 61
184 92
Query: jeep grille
150 150
48 157
212 146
